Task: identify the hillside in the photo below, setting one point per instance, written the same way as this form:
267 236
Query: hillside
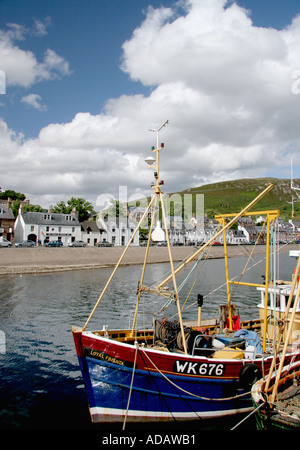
232 196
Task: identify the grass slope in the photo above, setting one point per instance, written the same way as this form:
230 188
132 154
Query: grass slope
232 196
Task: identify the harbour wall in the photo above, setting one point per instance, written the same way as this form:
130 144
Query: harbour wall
43 259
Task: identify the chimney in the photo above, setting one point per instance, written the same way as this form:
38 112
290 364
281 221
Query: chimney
74 213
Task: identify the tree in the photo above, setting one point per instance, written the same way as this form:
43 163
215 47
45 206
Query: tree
82 207
25 207
116 209
61 208
13 195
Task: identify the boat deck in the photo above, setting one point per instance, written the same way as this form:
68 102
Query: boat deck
213 344
288 401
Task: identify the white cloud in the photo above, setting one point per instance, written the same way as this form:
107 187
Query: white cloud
224 84
34 100
21 67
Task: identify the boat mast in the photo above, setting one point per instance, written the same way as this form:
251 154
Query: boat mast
286 343
285 321
150 161
154 164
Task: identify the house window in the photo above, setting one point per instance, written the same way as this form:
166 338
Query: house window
47 228
32 228
47 216
59 229
73 229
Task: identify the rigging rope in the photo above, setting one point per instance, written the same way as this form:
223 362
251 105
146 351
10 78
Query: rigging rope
247 417
257 263
190 393
130 391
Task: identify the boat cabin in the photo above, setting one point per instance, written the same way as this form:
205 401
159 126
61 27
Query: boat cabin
277 302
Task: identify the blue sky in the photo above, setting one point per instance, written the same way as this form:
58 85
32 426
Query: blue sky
86 79
89 35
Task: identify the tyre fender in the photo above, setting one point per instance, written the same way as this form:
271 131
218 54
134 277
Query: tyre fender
249 374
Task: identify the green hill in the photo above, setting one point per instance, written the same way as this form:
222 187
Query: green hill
232 196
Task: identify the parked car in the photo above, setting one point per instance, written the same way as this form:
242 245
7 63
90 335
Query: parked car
4 242
54 244
77 244
105 244
26 243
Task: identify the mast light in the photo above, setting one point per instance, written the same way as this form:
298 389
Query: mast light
150 160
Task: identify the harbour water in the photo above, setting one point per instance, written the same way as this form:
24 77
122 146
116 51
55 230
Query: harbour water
41 386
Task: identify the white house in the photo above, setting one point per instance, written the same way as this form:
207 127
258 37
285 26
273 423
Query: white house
47 226
90 233
117 230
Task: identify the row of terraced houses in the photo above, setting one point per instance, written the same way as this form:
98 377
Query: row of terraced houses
42 227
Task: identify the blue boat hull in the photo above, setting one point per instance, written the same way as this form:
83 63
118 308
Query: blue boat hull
155 398
143 384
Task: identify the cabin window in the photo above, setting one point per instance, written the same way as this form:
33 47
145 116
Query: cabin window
292 304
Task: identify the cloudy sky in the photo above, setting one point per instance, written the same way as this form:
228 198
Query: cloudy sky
82 82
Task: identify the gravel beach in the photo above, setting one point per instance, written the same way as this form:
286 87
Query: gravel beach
42 259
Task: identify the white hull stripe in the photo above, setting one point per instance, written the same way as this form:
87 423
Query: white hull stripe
99 414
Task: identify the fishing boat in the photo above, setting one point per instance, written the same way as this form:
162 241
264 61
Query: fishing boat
276 397
282 413
177 370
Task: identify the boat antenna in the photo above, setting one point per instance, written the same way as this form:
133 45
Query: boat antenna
151 161
158 130
293 187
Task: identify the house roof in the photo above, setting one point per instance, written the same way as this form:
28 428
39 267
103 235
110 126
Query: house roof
119 222
6 212
38 218
90 224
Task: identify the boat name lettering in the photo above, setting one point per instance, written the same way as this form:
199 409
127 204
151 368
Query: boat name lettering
103 356
197 368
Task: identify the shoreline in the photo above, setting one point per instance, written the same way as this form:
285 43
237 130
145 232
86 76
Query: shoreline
47 260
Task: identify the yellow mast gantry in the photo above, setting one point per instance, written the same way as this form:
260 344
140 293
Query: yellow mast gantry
271 216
